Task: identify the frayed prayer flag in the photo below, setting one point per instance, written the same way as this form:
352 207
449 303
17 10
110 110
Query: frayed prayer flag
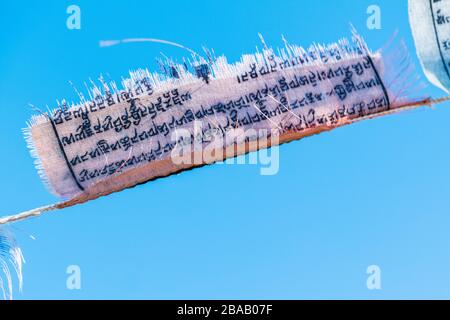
205 110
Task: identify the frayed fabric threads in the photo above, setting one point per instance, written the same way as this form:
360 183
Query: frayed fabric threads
11 258
119 138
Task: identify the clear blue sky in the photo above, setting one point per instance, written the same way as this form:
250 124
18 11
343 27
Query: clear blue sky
376 192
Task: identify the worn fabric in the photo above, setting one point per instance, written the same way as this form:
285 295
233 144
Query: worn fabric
430 23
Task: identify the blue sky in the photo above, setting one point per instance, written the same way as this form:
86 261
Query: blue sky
374 193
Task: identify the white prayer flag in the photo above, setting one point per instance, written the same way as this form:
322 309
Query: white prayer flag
430 24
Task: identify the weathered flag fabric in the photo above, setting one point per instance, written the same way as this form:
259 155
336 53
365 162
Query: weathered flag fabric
206 109
430 23
120 138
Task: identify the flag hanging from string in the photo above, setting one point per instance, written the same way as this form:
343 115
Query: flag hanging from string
205 110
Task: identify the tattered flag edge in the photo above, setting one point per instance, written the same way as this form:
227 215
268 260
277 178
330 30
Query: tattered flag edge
10 257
